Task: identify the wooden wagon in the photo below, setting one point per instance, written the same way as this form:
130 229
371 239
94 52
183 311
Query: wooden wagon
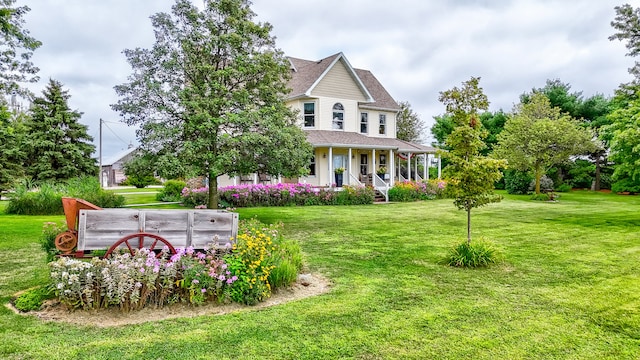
92 228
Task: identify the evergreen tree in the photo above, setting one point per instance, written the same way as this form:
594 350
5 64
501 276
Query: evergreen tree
58 146
11 153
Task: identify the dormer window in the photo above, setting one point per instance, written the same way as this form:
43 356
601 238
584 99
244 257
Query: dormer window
309 114
338 117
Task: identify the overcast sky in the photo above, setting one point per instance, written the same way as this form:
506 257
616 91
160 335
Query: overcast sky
416 48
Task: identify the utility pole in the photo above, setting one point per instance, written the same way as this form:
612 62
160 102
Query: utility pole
100 156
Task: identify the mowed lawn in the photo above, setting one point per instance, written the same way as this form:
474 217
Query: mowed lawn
569 288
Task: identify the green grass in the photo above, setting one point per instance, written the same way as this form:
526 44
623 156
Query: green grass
568 289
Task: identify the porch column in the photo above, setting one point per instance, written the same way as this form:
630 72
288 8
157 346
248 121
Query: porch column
424 165
349 168
373 162
392 169
409 166
331 177
255 178
439 167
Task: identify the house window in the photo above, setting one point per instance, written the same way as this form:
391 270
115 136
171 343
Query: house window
364 118
338 116
364 166
383 124
312 166
309 114
383 160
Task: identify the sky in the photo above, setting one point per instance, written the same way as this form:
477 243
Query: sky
415 48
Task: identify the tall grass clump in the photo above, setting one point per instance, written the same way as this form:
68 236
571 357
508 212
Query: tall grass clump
30 198
473 254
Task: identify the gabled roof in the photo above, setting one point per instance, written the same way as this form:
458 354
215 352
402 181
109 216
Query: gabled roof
119 156
342 139
306 74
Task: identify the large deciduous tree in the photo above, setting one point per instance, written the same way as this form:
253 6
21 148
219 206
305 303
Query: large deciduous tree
472 174
16 49
58 146
538 136
624 131
409 125
211 92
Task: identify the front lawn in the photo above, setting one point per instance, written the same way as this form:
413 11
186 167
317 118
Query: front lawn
568 289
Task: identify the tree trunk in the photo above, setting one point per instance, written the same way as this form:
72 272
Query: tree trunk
213 191
596 185
538 177
469 226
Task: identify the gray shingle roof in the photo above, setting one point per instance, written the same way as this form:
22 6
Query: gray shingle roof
342 139
305 73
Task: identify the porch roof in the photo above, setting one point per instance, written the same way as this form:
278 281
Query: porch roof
342 139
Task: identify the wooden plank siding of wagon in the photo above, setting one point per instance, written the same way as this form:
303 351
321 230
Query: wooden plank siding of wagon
99 230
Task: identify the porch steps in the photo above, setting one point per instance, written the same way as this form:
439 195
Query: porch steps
379 197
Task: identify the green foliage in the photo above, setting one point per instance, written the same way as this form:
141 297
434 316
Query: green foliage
546 184
58 146
11 154
140 172
471 175
32 300
354 195
517 182
47 239
541 197
409 126
626 185
627 24
16 47
472 255
222 114
172 191
422 190
46 198
537 136
563 188
581 174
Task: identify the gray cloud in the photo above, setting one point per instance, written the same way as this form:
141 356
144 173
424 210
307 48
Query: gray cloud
415 48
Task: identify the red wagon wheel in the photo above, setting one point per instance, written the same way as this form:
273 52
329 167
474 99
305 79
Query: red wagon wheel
66 241
137 241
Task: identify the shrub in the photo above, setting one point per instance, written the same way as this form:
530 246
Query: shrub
517 182
47 239
477 254
31 300
140 181
626 185
563 188
279 195
355 195
420 190
46 199
43 200
541 197
546 184
172 191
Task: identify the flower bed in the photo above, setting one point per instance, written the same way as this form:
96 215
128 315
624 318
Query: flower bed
240 273
279 195
418 190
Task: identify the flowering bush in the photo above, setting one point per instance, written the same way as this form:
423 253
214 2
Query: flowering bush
418 190
278 195
240 273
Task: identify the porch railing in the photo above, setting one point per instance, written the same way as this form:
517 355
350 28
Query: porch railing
354 180
381 186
